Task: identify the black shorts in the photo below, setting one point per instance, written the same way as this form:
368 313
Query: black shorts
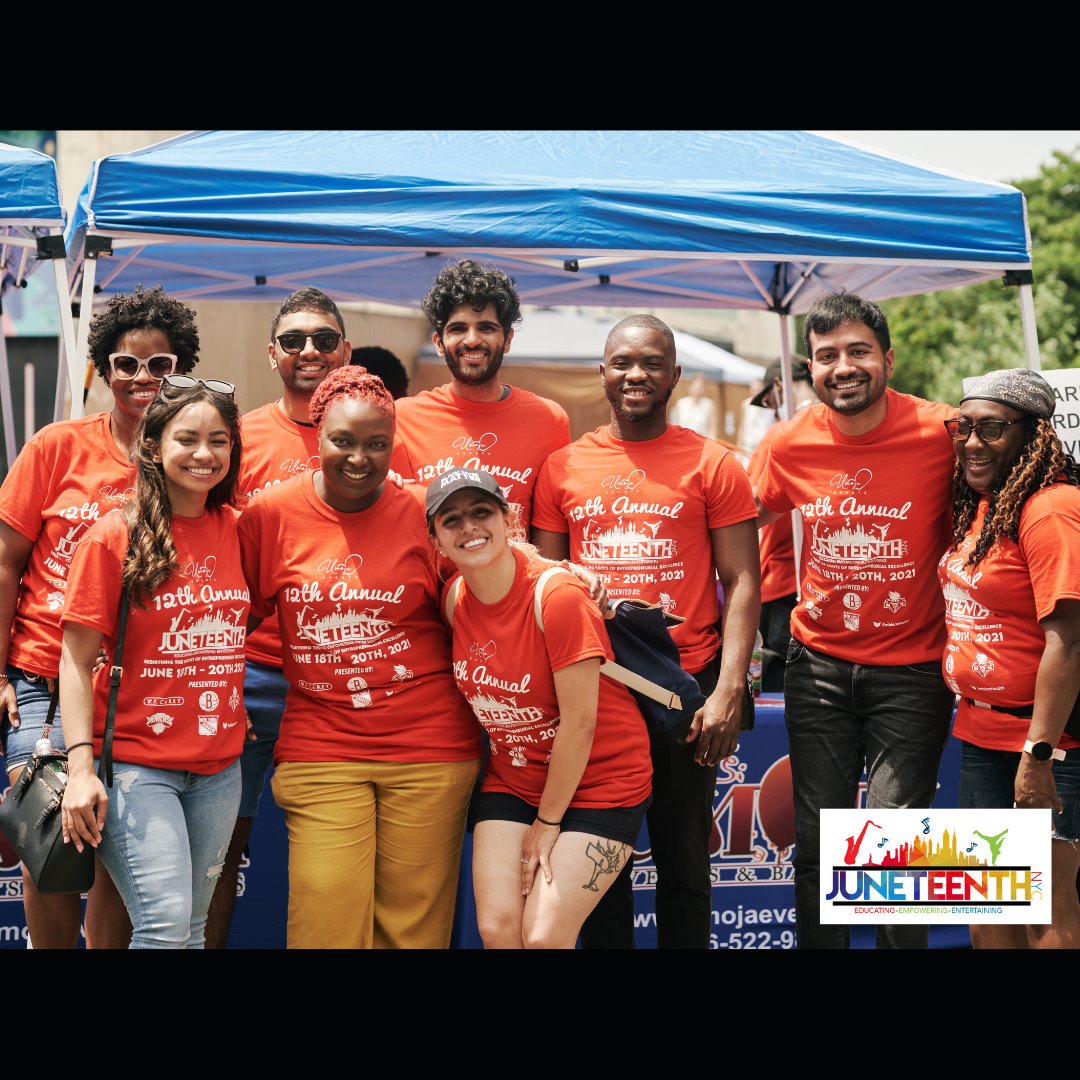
622 823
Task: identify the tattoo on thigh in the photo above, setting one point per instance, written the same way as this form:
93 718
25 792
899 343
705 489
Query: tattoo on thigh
607 859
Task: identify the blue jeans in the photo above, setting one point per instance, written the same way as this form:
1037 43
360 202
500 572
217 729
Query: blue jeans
164 842
264 701
33 697
841 718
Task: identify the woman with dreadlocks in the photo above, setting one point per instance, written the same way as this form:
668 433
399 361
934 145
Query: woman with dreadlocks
1011 580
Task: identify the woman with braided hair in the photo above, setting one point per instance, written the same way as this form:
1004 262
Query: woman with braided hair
1012 600
377 753
163 826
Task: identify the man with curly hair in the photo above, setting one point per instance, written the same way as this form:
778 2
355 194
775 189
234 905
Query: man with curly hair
475 420
870 470
307 342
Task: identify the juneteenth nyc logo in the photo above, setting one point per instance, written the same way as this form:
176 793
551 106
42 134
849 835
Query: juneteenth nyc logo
947 866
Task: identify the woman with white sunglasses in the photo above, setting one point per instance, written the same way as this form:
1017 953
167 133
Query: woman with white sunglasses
67 476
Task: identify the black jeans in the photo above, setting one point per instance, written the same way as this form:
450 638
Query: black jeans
680 825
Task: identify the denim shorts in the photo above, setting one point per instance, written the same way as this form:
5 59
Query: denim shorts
264 700
621 823
986 782
33 698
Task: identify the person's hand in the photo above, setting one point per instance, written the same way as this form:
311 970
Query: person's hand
249 728
84 807
597 589
395 478
536 852
9 703
101 661
1034 787
715 727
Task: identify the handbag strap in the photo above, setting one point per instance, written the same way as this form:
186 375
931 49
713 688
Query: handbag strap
116 673
631 679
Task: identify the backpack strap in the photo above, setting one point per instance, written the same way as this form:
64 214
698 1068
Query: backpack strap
452 595
628 678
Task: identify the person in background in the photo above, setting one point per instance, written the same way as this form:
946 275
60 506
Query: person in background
67 476
659 512
567 781
377 752
779 592
1011 579
695 411
163 827
386 366
307 343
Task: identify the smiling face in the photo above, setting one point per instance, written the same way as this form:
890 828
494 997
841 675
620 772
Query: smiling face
471 529
985 463
194 454
473 344
850 371
355 441
639 374
303 371
131 396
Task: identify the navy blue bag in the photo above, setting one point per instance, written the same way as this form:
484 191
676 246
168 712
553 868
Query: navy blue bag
646 662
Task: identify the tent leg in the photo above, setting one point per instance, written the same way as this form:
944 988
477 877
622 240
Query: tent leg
86 311
1031 333
67 337
61 380
785 414
6 409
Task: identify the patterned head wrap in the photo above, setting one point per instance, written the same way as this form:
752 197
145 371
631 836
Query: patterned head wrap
1018 388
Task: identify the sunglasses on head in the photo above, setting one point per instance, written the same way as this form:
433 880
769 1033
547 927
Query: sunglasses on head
126 366
325 341
189 382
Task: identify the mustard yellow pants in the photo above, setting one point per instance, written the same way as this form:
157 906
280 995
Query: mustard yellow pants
374 851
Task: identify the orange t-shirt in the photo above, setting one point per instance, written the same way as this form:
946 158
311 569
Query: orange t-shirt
875 511
992 612
639 514
275 448
366 651
180 704
504 662
438 431
65 478
776 542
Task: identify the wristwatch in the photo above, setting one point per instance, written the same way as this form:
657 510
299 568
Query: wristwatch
1043 751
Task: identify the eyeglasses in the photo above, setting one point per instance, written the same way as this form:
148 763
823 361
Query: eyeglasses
189 382
325 341
126 366
988 430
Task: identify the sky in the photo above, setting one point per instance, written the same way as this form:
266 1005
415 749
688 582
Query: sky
986 155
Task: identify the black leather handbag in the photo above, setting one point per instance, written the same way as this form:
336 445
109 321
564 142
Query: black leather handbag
30 816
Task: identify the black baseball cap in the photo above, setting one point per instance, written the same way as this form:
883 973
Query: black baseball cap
442 487
800 372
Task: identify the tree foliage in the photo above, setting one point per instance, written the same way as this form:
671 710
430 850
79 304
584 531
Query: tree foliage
940 338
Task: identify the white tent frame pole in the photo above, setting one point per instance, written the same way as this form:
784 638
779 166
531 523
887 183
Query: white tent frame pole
67 337
1031 333
61 381
86 310
785 413
6 409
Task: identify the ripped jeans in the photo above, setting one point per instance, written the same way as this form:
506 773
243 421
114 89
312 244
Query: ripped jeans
164 842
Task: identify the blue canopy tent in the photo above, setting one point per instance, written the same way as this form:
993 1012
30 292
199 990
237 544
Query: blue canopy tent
31 224
737 219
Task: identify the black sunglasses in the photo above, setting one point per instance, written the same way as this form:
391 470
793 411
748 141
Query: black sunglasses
189 382
325 341
988 430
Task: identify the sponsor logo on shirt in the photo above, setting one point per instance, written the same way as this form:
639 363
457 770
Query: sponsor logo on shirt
624 484
162 702
852 482
895 602
208 725
852 601
340 568
314 687
982 665
480 445
208 700
158 722
851 620
200 571
234 701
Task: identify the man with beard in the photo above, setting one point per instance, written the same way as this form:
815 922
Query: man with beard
870 470
475 420
659 512
307 342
